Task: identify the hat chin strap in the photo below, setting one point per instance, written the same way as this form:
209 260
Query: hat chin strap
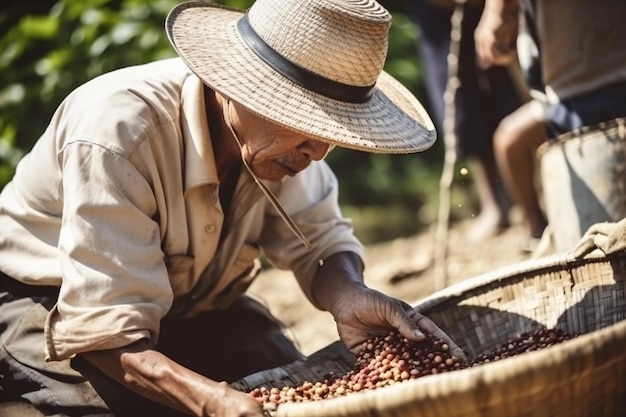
266 191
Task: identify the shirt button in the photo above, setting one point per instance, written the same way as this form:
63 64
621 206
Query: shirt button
209 228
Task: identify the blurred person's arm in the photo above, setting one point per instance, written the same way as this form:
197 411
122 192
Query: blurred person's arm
496 33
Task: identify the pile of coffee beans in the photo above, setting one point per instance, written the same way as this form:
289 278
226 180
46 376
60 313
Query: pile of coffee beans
392 359
382 361
526 342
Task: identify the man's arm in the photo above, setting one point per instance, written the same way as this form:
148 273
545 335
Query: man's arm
149 373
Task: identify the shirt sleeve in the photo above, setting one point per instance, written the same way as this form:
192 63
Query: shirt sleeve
115 284
311 199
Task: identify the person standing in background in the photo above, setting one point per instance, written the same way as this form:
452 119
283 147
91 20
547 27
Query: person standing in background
582 66
485 96
518 137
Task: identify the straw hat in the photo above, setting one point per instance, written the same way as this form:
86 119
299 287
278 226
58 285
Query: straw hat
314 66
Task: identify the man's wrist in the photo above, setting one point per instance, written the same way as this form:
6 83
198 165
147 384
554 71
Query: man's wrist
338 274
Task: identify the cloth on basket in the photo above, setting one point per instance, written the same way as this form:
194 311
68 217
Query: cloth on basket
607 237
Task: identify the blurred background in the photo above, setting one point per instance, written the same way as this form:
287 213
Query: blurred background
48 47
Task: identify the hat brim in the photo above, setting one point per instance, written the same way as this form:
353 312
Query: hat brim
206 38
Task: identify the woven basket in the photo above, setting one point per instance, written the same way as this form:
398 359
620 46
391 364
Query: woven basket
585 376
582 180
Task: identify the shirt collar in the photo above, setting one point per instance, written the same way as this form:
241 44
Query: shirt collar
200 167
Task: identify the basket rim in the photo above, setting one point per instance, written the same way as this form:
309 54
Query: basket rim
559 261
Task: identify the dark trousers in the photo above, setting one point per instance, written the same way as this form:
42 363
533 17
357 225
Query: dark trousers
224 345
484 97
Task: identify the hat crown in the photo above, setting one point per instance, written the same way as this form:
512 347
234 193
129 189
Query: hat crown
343 40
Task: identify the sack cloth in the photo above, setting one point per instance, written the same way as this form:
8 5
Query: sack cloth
606 237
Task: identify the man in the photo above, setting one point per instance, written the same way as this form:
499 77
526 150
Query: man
131 231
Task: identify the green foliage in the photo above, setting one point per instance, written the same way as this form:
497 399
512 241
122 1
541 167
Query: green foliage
52 47
47 48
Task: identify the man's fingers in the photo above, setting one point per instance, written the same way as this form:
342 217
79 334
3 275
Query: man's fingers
454 348
406 325
429 326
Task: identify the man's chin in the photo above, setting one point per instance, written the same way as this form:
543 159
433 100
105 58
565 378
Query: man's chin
276 176
277 173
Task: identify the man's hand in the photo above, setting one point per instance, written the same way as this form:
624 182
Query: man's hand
235 403
365 313
369 313
153 375
361 312
496 33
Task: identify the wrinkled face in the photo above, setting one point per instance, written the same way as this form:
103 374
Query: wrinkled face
273 151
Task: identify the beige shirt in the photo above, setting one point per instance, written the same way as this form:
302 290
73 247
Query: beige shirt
582 45
118 203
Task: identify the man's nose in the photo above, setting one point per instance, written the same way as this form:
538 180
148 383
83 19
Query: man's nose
315 149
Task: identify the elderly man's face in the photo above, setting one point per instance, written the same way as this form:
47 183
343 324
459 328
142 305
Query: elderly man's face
273 151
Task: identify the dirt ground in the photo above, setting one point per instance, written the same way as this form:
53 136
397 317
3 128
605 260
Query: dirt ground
403 268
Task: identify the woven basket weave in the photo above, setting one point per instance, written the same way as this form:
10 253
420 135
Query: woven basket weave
585 376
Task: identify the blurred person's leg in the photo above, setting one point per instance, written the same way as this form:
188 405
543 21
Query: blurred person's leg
516 141
493 199
482 100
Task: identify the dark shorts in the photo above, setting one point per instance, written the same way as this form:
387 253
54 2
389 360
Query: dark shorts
605 104
571 114
224 345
